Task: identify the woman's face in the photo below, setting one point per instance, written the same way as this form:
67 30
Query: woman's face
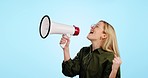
96 32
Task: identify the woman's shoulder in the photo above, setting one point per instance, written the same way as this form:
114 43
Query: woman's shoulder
84 50
108 55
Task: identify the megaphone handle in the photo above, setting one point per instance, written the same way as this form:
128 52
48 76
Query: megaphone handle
63 45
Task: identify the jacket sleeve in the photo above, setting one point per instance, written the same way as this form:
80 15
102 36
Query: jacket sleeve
71 67
118 73
107 69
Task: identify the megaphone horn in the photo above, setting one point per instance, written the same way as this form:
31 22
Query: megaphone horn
49 27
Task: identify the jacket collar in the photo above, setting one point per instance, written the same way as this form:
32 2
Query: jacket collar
98 50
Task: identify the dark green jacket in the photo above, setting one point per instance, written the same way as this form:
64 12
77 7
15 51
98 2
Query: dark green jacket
88 64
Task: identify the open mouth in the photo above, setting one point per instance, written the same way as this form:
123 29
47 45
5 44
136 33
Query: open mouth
91 32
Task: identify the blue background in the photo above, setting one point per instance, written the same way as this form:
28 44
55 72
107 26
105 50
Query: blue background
24 54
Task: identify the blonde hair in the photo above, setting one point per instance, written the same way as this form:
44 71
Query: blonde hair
110 44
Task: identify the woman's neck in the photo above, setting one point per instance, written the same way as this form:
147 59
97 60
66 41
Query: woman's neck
96 45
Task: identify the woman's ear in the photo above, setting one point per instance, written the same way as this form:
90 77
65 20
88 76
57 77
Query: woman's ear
104 36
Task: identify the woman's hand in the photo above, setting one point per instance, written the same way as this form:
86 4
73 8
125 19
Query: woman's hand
116 63
65 40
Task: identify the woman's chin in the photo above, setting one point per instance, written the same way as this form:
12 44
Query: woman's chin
89 37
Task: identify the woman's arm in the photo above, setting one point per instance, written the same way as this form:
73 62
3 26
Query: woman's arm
70 67
65 39
116 64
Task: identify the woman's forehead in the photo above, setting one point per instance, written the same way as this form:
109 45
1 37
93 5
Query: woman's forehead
100 23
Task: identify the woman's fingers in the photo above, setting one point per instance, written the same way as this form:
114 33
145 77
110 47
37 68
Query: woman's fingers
117 60
63 40
116 63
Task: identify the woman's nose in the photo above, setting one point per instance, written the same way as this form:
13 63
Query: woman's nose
92 27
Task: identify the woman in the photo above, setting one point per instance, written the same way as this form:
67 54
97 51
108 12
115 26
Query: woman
96 60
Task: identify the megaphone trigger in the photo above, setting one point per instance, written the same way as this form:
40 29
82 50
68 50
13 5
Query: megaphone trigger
67 35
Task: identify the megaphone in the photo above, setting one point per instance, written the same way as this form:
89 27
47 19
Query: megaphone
49 27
